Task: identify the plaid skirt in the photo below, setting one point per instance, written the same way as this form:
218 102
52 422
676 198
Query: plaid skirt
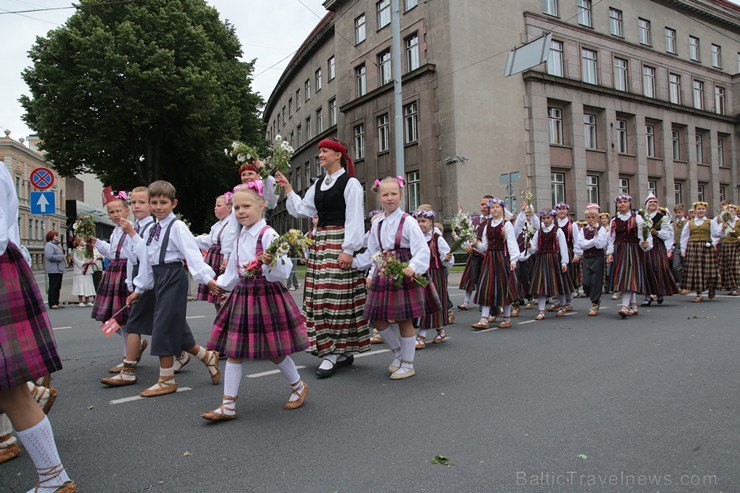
259 320
658 273
471 274
729 265
334 299
27 347
628 269
547 276
497 285
700 269
112 294
438 318
213 257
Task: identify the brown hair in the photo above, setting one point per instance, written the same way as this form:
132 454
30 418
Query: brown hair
161 188
51 234
679 207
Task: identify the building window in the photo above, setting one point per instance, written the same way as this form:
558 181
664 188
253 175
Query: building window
410 4
360 141
361 80
299 180
698 95
384 13
716 56
624 186
555 58
550 7
290 107
653 187
694 48
699 148
592 189
621 75
722 193
319 120
557 187
676 141
331 67
674 88
643 31
307 89
615 22
670 40
648 81
317 166
284 116
650 140
412 52
299 135
308 128
719 100
622 136
413 190
360 29
298 99
584 13
677 193
588 65
318 80
700 193
384 67
589 131
384 132
291 138
555 118
411 122
332 112
721 151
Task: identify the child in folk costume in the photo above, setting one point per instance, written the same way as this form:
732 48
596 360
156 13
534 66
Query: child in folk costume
218 243
259 319
397 234
439 258
605 220
82 286
549 251
28 348
592 242
627 242
525 225
570 230
729 248
679 212
659 280
497 285
471 274
170 242
698 240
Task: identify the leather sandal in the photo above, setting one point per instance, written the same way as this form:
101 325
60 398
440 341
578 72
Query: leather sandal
215 415
624 312
698 299
514 312
483 324
463 306
505 323
118 380
530 304
540 316
403 372
561 312
49 474
181 361
44 396
450 316
9 451
211 362
301 393
421 342
633 310
594 311
553 307
441 336
164 386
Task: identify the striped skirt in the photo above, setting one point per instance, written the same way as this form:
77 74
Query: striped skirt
547 276
700 268
213 257
334 299
471 274
658 274
729 265
438 318
259 320
497 285
27 347
628 269
112 294
574 270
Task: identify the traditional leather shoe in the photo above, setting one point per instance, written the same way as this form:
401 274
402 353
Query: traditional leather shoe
441 336
553 307
483 324
403 373
302 393
463 306
647 302
44 381
9 451
211 362
505 324
222 416
624 312
514 312
346 361
117 381
712 294
181 361
45 396
116 369
326 372
164 386
421 343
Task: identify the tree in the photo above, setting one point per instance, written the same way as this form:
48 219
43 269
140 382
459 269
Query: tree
145 90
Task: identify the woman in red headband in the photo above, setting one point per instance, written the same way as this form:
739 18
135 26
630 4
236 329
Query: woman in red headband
335 292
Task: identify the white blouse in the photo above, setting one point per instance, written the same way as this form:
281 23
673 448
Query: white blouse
599 241
206 241
108 248
443 248
521 222
640 236
8 211
562 243
715 230
511 244
136 252
575 233
665 232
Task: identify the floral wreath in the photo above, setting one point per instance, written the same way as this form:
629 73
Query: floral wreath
562 205
705 204
496 200
547 212
425 214
623 197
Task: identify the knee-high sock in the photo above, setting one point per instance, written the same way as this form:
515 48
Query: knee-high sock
541 303
626 298
232 378
391 337
507 311
485 311
468 296
562 299
408 350
289 371
39 442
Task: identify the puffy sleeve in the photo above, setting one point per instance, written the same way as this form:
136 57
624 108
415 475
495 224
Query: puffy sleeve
230 277
354 223
716 231
443 248
685 234
228 236
576 232
511 243
104 247
305 207
601 239
563 246
419 248
271 198
184 240
533 243
283 265
611 236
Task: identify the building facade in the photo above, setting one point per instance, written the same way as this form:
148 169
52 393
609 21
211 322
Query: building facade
636 96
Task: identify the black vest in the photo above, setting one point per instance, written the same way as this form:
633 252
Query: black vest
330 204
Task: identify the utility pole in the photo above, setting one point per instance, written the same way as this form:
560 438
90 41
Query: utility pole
397 88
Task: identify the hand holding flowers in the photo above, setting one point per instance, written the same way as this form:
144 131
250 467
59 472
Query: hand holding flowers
392 268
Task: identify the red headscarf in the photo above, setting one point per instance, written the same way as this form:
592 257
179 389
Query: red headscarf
247 167
342 149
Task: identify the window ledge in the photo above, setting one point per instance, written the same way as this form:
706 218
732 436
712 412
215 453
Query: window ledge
561 146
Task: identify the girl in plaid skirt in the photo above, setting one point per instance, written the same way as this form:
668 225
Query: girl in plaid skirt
550 265
27 348
699 238
217 243
729 250
259 319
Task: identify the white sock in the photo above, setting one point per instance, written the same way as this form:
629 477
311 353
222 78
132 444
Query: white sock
468 295
167 372
423 333
298 386
328 362
561 300
485 312
391 337
39 443
541 303
232 379
201 354
507 311
289 371
626 298
408 350
633 299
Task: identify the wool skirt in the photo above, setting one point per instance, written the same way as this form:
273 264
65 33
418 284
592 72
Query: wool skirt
437 319
729 265
658 274
497 285
471 274
548 278
628 272
700 267
213 257
112 294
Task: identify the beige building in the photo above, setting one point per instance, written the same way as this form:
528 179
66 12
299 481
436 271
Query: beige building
637 96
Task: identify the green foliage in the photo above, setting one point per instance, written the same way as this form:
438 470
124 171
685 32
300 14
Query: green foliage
146 90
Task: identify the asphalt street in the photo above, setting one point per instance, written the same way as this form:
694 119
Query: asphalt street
570 404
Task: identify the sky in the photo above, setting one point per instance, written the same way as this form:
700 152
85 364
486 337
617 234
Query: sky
269 30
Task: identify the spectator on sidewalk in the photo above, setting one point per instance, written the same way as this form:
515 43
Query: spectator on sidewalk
55 266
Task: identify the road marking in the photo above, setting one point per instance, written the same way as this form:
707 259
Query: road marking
60 328
271 372
486 330
138 397
195 316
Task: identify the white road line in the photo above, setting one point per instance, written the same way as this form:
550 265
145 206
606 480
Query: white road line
60 328
138 397
527 322
195 316
372 353
486 330
271 372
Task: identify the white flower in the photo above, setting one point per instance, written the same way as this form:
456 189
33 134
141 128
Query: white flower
290 149
75 225
226 152
234 144
241 158
278 138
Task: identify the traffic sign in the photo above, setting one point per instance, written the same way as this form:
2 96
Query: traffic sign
43 203
42 178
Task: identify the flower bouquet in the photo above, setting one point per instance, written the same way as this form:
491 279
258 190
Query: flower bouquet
293 244
243 153
85 228
252 269
462 229
527 197
279 159
726 217
647 224
528 232
391 267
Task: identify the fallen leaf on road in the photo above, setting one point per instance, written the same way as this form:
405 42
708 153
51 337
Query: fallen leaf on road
90 407
441 459
582 456
187 454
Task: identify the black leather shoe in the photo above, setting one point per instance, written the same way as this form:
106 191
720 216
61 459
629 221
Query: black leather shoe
660 300
647 302
322 373
347 361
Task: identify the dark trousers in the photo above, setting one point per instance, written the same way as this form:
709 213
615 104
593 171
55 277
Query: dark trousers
592 271
292 279
55 286
677 265
524 276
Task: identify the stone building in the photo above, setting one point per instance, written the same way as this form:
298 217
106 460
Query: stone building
636 96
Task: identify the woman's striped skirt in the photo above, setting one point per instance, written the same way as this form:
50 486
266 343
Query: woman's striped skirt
628 269
438 318
548 278
497 285
658 274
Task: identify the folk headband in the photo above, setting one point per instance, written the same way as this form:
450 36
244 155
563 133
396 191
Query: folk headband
342 149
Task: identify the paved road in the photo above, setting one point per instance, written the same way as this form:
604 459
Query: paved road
571 404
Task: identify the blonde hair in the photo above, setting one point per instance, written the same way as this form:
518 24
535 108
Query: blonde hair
252 193
140 189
